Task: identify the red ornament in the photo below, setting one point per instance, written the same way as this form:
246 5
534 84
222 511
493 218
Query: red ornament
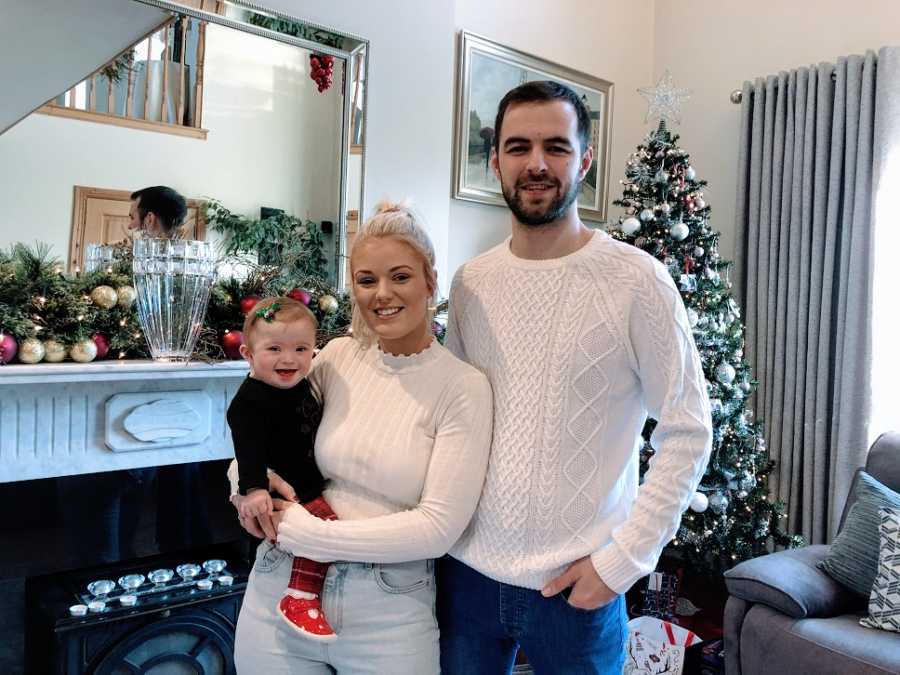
320 70
248 303
8 347
102 343
300 295
231 343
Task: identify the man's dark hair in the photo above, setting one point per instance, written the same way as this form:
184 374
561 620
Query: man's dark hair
545 91
169 206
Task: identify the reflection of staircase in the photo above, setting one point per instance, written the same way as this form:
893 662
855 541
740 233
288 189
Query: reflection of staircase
56 43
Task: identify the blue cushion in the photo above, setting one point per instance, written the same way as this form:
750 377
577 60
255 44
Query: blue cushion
852 559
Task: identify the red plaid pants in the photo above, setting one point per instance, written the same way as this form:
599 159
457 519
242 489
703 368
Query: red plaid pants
308 575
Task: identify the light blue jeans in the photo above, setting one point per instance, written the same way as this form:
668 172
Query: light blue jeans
384 616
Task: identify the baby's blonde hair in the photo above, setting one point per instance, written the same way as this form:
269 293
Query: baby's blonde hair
398 221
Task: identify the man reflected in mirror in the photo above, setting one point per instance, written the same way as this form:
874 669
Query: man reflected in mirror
157 211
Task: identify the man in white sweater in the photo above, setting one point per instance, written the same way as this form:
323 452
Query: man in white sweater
582 337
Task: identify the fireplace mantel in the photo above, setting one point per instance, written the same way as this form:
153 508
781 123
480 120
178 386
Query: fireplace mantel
69 418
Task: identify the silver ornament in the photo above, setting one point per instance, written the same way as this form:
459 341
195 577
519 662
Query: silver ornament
127 296
748 481
715 405
745 387
666 208
630 226
31 351
699 203
690 174
84 351
698 251
725 373
679 231
699 502
54 352
646 214
718 502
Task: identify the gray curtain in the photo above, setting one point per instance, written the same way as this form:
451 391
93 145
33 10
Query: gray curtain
804 259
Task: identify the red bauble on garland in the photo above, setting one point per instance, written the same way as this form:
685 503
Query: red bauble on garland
231 343
300 295
8 347
102 343
248 303
321 67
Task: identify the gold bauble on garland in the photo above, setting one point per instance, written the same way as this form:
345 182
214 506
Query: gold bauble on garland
84 351
328 304
104 296
31 351
127 296
54 352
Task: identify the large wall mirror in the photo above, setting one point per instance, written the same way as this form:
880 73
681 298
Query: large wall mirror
223 100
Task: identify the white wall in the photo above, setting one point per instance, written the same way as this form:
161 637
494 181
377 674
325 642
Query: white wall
712 46
273 141
611 39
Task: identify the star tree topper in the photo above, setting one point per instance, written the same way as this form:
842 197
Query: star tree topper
665 100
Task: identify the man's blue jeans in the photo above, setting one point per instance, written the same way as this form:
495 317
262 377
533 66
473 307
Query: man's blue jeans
484 622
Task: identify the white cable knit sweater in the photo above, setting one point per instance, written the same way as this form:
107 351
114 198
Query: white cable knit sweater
404 442
579 350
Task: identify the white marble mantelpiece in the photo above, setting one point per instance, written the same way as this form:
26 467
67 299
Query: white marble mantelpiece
53 417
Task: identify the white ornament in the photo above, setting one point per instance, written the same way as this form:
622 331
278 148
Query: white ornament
646 214
699 502
54 352
725 373
690 174
630 226
31 351
699 204
698 251
679 231
693 317
84 351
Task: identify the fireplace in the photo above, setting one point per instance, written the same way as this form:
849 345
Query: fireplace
80 501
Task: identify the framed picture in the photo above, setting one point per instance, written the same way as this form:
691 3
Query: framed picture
485 72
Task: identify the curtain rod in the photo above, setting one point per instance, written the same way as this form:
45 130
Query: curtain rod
737 95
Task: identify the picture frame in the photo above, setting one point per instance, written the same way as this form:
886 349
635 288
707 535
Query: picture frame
486 70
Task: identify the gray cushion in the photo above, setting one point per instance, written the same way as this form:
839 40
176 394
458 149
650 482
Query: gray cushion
853 556
884 602
790 582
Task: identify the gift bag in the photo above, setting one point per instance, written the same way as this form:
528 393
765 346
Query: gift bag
656 647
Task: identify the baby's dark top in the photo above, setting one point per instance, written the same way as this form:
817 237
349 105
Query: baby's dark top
276 429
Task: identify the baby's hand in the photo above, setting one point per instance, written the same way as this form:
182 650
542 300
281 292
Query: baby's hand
257 503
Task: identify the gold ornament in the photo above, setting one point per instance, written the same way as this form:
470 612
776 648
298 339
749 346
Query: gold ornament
104 296
54 352
127 296
328 304
31 351
84 351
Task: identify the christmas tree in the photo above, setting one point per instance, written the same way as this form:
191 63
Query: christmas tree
731 517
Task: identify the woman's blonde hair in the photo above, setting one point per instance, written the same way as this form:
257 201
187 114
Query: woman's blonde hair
398 221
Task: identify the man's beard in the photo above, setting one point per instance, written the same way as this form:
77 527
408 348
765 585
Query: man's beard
554 210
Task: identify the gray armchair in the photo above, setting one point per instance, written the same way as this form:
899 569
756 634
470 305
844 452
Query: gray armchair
784 615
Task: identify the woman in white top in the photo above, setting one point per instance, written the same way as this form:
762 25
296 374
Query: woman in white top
404 443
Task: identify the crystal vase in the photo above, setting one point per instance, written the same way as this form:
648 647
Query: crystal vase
173 280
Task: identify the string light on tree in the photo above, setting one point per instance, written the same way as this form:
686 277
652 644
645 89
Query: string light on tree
730 516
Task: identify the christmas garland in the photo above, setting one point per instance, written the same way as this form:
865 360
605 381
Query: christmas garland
47 315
